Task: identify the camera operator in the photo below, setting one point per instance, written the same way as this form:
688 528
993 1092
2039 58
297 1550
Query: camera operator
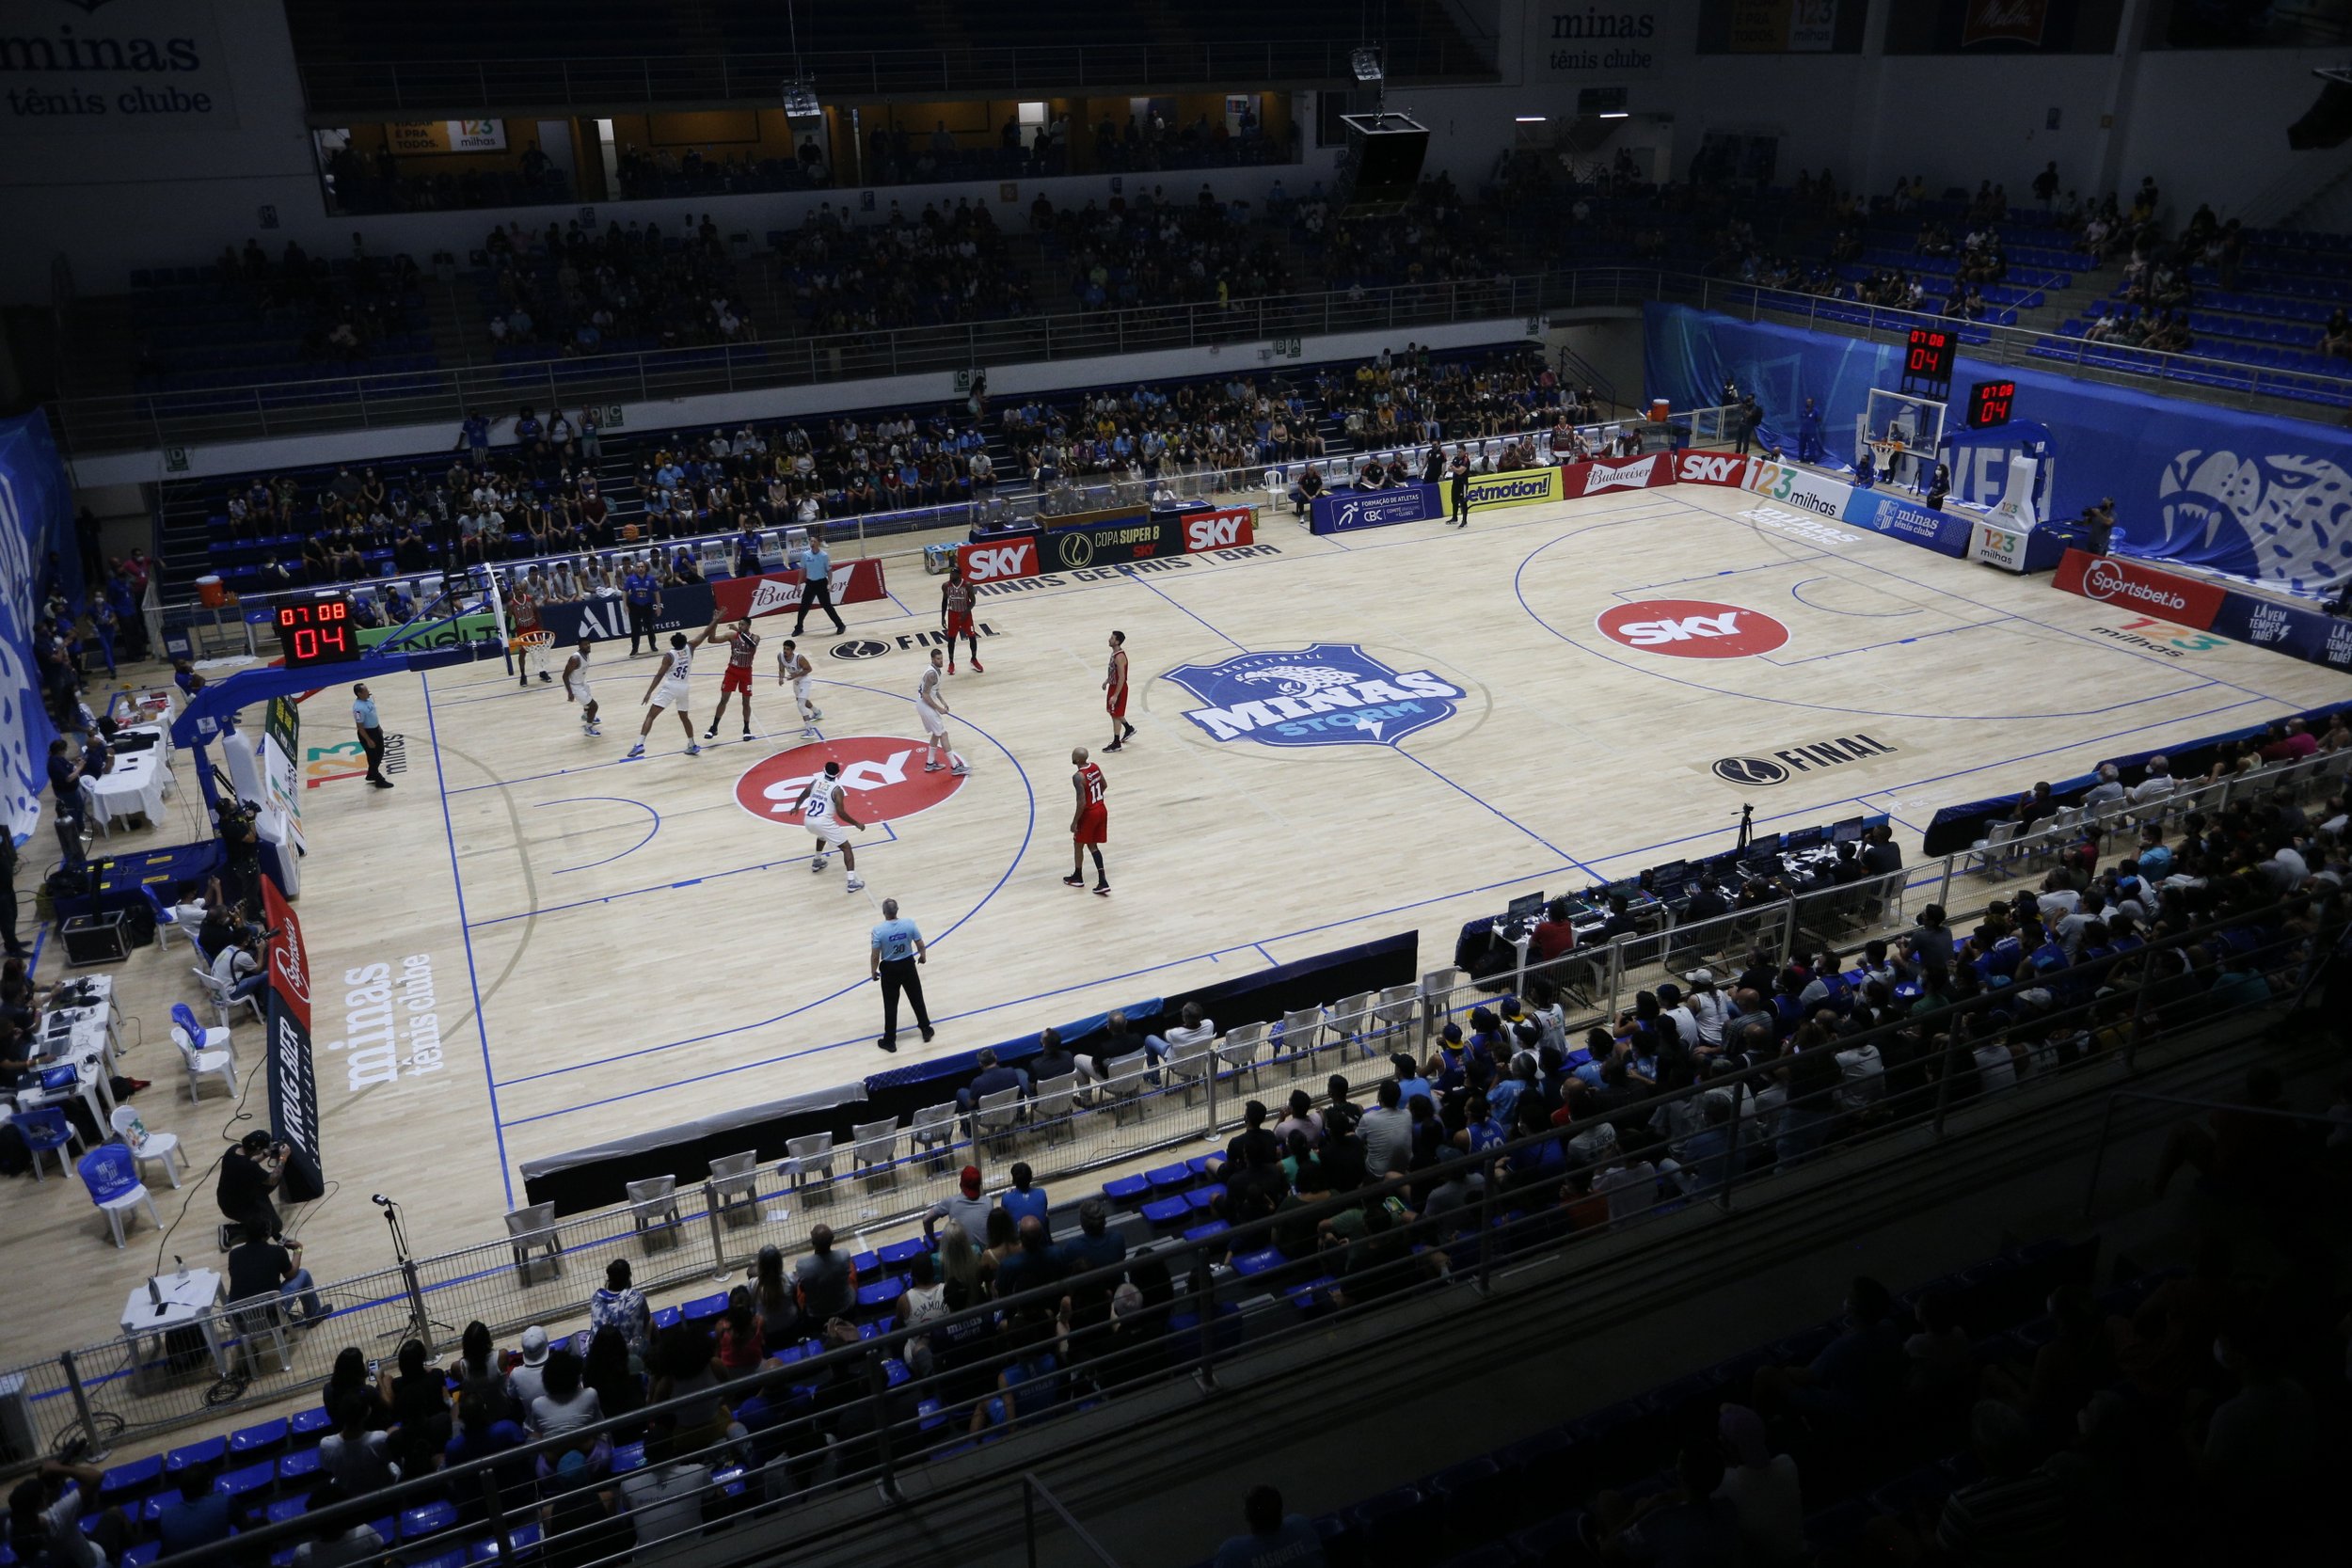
241 877
249 1173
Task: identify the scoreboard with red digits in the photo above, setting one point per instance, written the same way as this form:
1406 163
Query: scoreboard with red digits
1928 356
316 630
1989 403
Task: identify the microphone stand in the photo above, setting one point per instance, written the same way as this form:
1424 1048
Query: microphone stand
420 1324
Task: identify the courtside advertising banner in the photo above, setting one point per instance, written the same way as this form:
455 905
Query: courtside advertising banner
2141 589
1346 511
1799 488
2310 635
1228 528
1518 487
1944 532
1616 473
1712 468
999 560
1137 536
776 593
293 1090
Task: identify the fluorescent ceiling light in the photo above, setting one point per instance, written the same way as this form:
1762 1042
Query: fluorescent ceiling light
1530 119
1618 115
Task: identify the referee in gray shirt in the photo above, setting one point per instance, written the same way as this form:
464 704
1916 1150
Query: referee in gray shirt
897 947
816 585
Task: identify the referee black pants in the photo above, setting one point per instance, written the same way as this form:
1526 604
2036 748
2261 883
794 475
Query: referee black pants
819 595
901 974
640 624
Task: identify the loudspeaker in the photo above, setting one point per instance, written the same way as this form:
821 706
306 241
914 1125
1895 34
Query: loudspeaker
1384 158
96 939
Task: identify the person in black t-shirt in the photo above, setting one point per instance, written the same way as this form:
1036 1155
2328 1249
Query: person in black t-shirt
247 1177
262 1268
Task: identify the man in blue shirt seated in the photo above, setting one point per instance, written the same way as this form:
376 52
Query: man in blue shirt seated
1275 1539
992 1078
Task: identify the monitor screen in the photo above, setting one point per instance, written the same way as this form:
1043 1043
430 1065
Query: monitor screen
1804 838
1625 889
1848 831
1524 909
1671 875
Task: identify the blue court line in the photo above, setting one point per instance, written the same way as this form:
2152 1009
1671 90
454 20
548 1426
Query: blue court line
1865 614
1726 572
1474 798
800 858
1220 635
1519 587
1028 832
1890 643
791 730
474 977
900 602
616 800
1262 953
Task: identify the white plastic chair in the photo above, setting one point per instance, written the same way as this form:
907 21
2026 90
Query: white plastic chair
1278 490
1353 1019
734 1182
1189 1066
153 1146
1124 1088
530 1229
1302 1031
224 997
933 1132
1052 1115
874 1150
805 1157
255 1321
1395 1008
1987 851
200 1064
992 1119
653 1207
1238 1047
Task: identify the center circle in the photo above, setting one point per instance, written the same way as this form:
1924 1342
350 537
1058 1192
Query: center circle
881 779
1692 628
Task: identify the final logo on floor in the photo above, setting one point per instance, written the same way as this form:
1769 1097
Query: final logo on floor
1692 628
882 776
1327 695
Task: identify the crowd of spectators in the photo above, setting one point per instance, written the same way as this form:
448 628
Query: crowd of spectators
1412 397
1145 436
578 291
326 311
846 466
356 184
1438 238
1157 250
945 265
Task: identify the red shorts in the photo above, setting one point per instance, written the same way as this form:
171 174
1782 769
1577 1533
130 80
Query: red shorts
959 624
1095 825
1115 702
737 679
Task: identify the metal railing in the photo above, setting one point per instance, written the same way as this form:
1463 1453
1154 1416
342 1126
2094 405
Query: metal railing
2221 1107
857 1406
858 533
604 83
89 425
693 1241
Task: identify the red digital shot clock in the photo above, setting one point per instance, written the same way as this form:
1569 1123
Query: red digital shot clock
316 630
1989 403
1930 353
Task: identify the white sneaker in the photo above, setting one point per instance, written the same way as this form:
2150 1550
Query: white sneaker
810 733
930 768
815 714
692 750
855 884
820 863
960 773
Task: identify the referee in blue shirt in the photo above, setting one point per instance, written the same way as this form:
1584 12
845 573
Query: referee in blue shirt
898 948
817 586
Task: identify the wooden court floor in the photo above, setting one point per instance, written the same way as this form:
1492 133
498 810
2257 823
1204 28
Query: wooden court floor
604 947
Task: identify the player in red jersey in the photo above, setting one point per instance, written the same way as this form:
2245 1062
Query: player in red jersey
741 645
955 618
1115 693
522 614
1089 824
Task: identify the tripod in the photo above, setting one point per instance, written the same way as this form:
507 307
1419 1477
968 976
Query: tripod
420 1323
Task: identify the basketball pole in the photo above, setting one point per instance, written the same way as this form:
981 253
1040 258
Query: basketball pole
498 612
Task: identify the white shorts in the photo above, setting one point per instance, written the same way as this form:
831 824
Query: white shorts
830 834
800 692
672 694
934 723
582 690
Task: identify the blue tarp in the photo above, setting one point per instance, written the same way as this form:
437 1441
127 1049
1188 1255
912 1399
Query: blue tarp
36 518
2256 496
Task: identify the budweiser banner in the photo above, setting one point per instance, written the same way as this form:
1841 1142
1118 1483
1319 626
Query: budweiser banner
778 593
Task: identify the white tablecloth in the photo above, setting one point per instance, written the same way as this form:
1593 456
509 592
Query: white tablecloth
136 784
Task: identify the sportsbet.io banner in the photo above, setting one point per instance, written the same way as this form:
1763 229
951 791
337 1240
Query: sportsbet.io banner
2150 593
293 1090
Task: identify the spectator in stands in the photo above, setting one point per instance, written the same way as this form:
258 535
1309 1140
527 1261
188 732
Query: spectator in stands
1688 1526
664 1499
1274 1539
1763 1490
2156 785
198 1517
992 1078
417 1397
1855 1379
45 1517
964 1208
357 1459
1023 1199
826 1279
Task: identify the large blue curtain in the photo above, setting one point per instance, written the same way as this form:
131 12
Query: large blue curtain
36 518
2260 498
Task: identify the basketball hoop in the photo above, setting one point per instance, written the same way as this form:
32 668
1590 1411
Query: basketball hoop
538 636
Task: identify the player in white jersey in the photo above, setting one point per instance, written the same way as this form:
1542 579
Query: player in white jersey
825 811
792 665
669 689
576 689
930 703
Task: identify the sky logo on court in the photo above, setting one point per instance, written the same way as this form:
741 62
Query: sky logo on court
882 777
1692 628
1328 694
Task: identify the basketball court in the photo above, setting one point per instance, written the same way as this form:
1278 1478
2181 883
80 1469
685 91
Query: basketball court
531 945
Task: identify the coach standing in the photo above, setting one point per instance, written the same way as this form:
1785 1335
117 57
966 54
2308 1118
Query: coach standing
817 584
898 948
1461 488
1746 419
370 730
